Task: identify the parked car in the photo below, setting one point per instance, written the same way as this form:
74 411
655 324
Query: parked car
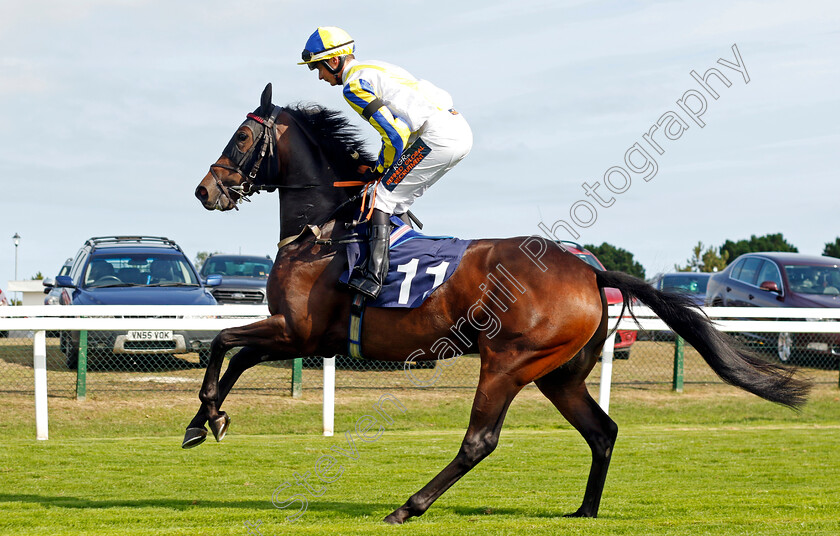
243 277
624 339
692 284
782 280
134 270
54 293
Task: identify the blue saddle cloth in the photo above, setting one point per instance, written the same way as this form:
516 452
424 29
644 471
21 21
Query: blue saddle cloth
418 264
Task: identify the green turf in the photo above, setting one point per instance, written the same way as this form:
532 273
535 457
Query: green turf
711 461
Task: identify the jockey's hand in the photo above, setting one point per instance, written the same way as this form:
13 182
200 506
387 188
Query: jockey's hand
369 174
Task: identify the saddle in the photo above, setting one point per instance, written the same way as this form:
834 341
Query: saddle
419 264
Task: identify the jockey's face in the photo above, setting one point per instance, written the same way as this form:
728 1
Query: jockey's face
325 75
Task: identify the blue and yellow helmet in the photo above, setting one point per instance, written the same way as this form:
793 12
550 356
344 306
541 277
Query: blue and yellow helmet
326 42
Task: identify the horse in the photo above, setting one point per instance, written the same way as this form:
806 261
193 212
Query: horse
551 306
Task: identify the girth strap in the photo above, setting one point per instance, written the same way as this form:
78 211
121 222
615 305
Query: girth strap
354 337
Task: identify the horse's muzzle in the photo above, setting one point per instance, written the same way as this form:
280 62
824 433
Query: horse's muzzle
203 196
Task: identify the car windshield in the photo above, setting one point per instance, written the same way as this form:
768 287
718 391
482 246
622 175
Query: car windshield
814 279
692 283
232 267
138 270
590 260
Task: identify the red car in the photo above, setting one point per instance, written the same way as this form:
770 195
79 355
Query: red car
623 339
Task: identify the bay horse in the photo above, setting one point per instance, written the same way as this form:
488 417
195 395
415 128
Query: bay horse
551 306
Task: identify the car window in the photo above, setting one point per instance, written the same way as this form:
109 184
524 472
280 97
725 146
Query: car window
259 268
65 269
78 263
814 279
112 270
736 270
750 270
590 259
696 284
769 272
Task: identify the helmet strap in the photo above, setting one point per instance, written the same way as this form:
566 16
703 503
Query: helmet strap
337 70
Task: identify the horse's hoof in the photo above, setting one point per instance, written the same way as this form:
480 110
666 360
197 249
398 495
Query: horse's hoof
581 513
219 426
194 437
397 517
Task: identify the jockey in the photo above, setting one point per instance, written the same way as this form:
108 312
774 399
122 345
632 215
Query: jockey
423 136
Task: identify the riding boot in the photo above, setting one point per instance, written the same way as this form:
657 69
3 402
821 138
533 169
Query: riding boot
371 280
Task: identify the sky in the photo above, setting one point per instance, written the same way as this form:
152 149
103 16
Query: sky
111 112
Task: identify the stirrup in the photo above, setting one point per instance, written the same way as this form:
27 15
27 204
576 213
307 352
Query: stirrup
364 285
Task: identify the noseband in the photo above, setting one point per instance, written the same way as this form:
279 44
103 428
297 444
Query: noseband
264 130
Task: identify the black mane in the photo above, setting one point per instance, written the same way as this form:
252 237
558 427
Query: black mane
339 139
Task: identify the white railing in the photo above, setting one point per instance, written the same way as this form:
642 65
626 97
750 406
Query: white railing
39 318
217 317
732 319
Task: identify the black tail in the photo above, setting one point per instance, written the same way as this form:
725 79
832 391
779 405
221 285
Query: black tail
733 363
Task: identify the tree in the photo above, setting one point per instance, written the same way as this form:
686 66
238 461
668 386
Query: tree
37 277
832 249
712 262
614 258
704 261
770 242
201 256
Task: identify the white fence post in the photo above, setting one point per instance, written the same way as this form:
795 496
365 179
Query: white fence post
40 364
329 396
606 374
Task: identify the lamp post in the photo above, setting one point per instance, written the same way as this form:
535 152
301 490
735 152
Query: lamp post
16 238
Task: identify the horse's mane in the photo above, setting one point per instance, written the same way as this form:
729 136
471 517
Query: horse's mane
339 139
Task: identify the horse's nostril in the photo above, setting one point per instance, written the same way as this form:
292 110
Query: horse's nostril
201 193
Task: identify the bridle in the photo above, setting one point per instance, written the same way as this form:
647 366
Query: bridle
248 165
265 137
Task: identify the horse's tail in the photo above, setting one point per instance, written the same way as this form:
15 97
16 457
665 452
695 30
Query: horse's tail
729 359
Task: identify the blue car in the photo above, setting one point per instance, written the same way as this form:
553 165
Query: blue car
133 270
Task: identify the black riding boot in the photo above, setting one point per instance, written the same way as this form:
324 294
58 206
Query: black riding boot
370 282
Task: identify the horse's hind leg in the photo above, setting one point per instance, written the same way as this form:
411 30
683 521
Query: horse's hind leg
492 399
569 395
246 358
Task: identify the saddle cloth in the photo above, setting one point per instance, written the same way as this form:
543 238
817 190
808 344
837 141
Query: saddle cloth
418 264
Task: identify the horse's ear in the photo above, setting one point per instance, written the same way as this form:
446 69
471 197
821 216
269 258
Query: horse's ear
265 100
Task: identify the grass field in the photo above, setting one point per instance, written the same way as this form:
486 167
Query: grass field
709 461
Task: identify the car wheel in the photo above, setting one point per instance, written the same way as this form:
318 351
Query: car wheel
204 358
784 347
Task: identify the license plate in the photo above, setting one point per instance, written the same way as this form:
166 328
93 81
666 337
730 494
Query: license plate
149 335
818 346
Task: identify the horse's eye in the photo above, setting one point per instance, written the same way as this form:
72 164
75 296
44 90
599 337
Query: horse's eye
241 136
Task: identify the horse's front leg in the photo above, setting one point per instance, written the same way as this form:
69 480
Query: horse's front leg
244 359
267 336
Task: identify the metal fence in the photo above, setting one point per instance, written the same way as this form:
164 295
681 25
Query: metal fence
151 365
